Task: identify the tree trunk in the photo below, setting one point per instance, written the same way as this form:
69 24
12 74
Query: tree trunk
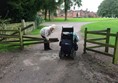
65 9
45 14
49 15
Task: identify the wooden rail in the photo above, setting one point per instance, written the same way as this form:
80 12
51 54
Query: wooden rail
17 38
105 44
14 32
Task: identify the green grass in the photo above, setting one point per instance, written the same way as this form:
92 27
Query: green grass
112 24
37 30
7 48
81 19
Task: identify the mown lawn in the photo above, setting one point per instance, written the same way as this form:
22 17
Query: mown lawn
80 19
101 25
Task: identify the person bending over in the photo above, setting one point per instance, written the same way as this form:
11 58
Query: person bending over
45 32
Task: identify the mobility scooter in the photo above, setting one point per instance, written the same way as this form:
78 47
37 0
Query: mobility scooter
67 44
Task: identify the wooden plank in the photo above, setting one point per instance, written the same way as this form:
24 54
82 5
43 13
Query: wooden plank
115 57
8 30
112 46
9 41
85 38
40 42
53 39
22 29
16 32
31 40
50 40
27 27
30 43
97 31
96 39
8 36
105 53
14 45
95 46
25 36
112 34
21 39
107 40
4 34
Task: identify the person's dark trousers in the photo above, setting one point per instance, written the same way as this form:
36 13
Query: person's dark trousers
46 44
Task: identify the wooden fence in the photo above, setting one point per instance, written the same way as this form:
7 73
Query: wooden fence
98 42
17 38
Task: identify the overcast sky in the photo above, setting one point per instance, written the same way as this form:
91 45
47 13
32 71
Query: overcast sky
91 5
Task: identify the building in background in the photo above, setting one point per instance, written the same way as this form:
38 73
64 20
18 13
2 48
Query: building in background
77 14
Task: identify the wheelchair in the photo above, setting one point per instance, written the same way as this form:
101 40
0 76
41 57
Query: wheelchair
67 44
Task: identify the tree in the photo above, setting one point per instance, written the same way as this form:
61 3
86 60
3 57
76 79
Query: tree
52 7
3 8
69 3
49 7
108 8
23 9
27 9
19 9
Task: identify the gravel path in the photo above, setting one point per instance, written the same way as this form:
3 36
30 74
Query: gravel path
34 65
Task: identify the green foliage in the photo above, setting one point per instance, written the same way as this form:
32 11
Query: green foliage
22 9
38 20
70 3
36 31
27 9
19 9
3 8
108 8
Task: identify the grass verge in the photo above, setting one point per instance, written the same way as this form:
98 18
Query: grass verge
80 19
101 25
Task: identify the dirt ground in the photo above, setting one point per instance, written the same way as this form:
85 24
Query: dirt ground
34 65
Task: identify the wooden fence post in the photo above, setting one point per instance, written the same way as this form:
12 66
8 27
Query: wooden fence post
23 25
21 38
85 38
115 57
107 40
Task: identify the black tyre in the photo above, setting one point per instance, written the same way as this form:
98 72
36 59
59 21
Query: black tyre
73 54
61 54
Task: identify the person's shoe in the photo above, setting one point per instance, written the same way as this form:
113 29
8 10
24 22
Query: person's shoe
49 49
45 49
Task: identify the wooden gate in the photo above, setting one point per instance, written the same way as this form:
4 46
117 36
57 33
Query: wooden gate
17 38
90 44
